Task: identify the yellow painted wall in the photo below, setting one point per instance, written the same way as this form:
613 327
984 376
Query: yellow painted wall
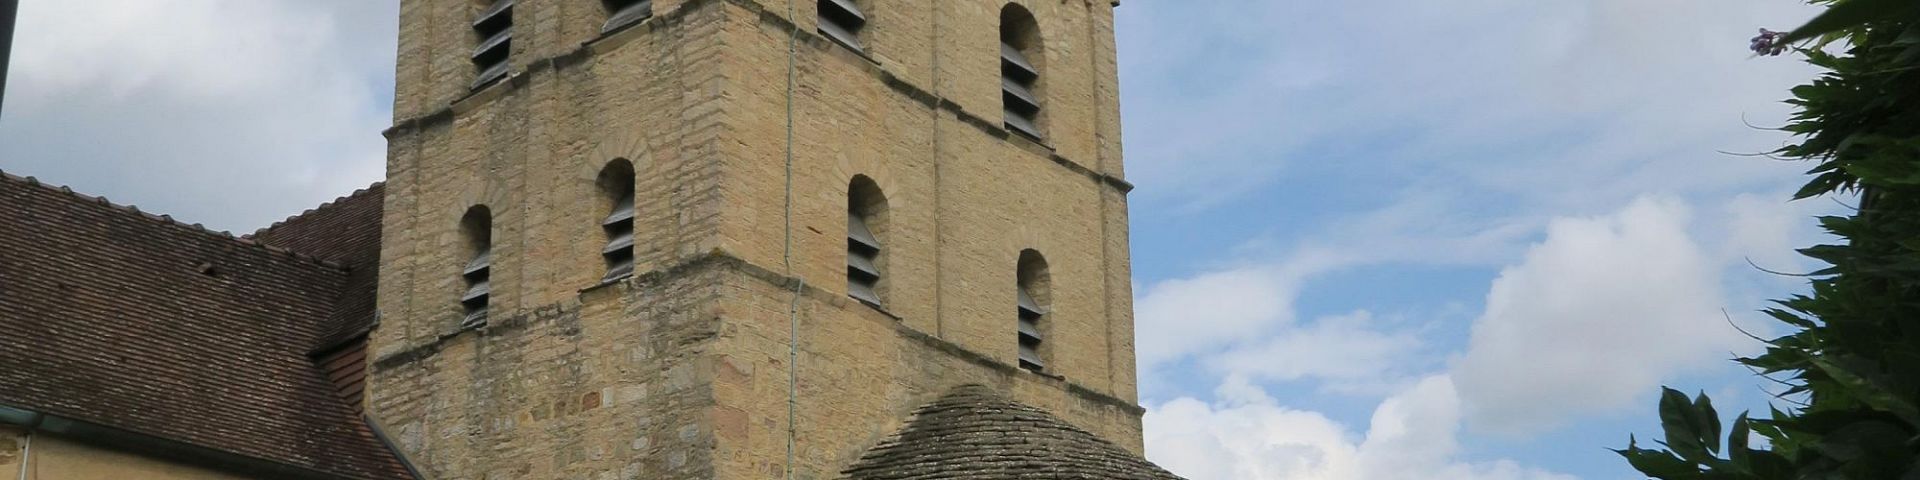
52 458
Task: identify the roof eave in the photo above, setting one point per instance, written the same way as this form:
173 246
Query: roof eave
150 446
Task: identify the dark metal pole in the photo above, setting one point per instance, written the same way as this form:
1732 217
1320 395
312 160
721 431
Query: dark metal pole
9 10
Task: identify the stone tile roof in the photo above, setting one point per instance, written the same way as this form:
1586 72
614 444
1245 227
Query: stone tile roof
141 324
973 433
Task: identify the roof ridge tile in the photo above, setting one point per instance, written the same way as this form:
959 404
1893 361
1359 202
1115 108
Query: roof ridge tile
163 219
323 206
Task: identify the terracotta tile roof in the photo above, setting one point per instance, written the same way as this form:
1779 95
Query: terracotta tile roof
142 324
345 231
973 433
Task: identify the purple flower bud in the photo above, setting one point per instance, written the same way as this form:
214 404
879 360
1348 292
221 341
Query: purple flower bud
1768 43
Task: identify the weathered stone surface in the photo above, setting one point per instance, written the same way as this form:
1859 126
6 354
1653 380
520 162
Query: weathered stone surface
684 370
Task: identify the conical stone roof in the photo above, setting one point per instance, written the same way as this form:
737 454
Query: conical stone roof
973 433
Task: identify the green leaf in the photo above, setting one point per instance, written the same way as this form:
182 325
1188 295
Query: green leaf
1864 385
1659 464
1681 423
1708 424
1737 451
1849 362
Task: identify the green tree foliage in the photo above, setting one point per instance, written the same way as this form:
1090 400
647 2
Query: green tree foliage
1851 368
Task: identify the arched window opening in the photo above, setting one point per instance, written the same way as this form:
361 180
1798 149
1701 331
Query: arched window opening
1035 297
494 29
1021 59
477 229
866 228
841 20
621 13
616 186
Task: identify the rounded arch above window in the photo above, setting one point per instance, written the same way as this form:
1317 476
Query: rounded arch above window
1020 30
1034 276
616 179
864 197
476 227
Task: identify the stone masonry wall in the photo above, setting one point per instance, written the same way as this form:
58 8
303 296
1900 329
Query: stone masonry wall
861 374
613 385
964 196
682 371
570 379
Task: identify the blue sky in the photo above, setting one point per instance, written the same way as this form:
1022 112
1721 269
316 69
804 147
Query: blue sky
1373 239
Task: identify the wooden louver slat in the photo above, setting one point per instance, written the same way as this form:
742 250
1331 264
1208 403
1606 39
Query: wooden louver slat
495 28
619 227
863 254
478 275
627 12
1030 336
1020 103
841 21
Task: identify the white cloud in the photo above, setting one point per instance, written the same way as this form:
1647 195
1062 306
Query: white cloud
1180 317
234 113
1592 317
1394 133
1597 314
1611 97
1765 229
1236 303
1249 436
1352 352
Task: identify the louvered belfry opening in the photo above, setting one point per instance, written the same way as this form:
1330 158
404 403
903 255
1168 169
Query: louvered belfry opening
1020 61
841 20
616 185
1033 295
477 227
494 28
866 215
621 13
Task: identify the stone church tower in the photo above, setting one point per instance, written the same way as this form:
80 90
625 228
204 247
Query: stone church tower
733 239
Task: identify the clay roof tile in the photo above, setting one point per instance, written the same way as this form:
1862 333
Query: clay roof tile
108 316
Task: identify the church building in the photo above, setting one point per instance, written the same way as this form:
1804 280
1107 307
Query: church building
628 239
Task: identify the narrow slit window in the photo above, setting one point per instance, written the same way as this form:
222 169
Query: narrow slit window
841 20
616 183
1032 293
477 274
1020 57
621 13
494 28
866 223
